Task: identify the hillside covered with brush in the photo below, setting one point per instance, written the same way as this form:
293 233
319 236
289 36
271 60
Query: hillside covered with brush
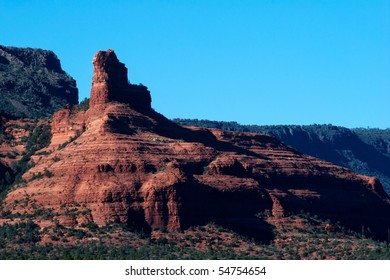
32 83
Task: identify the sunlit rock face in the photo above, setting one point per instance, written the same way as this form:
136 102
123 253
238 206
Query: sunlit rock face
110 83
131 165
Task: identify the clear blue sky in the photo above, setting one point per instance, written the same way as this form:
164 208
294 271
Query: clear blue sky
254 62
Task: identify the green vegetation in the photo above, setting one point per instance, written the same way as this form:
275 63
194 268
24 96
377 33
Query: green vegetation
39 137
63 145
5 181
40 175
19 233
83 105
378 138
35 88
296 237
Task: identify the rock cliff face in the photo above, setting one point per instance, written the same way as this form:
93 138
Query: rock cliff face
32 83
131 165
366 151
109 83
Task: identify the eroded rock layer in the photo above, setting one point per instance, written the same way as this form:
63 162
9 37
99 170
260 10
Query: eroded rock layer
123 162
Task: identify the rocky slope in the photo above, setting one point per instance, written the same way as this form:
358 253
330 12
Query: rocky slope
32 83
366 151
122 162
356 149
19 140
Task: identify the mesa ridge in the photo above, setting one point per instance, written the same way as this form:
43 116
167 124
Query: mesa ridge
122 162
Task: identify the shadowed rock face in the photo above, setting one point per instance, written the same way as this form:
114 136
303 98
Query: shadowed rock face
3 170
132 165
32 83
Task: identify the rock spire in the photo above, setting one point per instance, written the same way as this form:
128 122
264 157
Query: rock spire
110 83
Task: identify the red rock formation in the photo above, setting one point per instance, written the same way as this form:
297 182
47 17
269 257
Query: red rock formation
66 124
109 83
132 165
13 133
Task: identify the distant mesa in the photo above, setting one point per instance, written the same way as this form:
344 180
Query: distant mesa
110 83
33 84
366 151
29 57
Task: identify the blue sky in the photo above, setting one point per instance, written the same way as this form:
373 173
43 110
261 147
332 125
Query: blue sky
254 62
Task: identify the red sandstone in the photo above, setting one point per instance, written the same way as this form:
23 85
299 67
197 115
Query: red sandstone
132 165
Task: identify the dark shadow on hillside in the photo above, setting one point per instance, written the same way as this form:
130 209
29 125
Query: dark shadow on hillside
351 209
254 229
136 222
202 204
172 130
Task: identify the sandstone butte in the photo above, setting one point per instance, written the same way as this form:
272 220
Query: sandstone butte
120 161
